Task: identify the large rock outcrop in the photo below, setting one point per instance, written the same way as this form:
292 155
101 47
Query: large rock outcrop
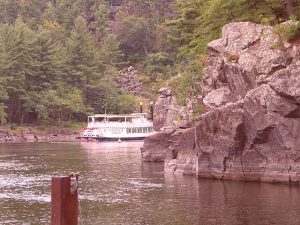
251 90
154 148
181 154
251 96
167 113
174 144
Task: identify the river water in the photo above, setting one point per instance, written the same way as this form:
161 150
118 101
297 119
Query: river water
116 188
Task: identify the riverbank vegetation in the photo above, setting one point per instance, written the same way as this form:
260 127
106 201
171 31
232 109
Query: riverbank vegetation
59 59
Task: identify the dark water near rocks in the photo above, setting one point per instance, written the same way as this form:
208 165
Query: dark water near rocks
117 188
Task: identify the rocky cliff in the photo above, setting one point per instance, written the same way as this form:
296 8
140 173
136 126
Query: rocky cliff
129 81
251 90
251 95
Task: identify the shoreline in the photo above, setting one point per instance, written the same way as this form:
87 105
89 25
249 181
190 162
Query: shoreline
29 134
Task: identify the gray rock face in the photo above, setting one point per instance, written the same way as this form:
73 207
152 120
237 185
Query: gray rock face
166 110
154 148
129 80
219 138
171 120
251 126
245 57
251 93
181 155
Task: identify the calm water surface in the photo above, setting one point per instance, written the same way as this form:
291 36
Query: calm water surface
117 188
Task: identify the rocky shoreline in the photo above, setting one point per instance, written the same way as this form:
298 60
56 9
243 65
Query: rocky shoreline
250 129
53 134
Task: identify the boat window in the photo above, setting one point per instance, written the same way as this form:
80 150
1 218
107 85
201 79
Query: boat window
116 119
99 119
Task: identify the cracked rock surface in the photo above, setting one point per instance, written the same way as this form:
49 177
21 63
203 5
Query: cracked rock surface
251 93
251 126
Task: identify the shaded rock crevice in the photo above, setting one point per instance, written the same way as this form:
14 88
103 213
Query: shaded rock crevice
289 172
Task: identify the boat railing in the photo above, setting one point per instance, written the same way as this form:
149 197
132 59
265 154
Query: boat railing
119 124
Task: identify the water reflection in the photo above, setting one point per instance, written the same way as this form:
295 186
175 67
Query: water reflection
117 188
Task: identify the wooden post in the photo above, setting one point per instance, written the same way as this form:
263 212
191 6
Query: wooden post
141 107
151 111
64 200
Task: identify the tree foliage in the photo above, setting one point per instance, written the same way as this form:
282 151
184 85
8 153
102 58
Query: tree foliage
200 21
52 65
59 58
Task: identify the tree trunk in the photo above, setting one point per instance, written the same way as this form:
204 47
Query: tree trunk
290 7
22 118
145 50
59 116
19 111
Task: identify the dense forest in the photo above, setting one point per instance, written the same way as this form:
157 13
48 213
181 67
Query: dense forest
59 59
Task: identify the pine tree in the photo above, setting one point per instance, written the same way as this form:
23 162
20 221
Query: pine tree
201 21
82 52
9 11
17 46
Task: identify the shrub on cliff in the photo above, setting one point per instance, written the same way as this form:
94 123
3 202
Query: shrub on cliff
289 31
187 84
158 62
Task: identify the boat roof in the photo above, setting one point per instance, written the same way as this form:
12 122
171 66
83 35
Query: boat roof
119 115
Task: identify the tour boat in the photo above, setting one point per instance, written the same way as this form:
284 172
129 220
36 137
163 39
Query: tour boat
133 126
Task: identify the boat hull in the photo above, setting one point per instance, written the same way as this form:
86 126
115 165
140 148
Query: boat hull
99 139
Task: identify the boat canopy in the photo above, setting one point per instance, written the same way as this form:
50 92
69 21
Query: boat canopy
116 118
120 115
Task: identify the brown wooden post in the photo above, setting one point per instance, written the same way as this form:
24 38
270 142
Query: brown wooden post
141 107
64 200
151 110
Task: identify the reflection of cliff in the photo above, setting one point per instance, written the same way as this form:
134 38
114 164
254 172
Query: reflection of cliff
241 203
251 128
176 197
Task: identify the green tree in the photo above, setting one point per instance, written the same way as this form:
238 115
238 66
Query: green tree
83 64
9 10
31 11
61 104
109 53
200 21
132 34
100 11
17 49
3 96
